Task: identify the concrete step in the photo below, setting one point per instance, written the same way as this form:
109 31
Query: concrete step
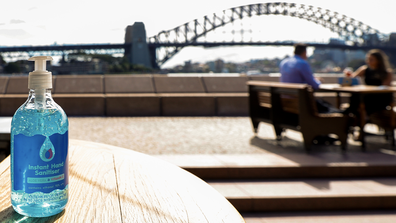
5 124
281 172
388 216
309 194
5 136
288 165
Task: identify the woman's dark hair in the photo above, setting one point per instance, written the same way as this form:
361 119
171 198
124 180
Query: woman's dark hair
380 56
300 48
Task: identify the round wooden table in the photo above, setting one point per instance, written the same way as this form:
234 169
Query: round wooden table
112 184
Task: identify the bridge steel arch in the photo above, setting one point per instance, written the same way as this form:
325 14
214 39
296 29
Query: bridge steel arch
352 31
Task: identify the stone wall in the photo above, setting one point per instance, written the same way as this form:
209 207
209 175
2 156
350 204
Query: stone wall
139 95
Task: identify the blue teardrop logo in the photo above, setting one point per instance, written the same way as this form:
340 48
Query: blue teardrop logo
47 151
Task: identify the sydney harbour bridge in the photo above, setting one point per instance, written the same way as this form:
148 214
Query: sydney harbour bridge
154 51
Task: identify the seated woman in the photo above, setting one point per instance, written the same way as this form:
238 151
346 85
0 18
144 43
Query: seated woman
376 73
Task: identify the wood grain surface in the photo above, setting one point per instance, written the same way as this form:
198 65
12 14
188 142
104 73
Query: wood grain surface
112 184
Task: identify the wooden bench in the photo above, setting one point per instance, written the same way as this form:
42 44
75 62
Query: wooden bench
293 106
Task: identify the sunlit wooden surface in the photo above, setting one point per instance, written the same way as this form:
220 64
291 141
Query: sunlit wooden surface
361 89
111 184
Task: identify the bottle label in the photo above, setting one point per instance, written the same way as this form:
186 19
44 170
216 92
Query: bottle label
40 163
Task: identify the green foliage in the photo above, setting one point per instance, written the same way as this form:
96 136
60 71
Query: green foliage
140 68
121 65
12 67
115 65
2 61
104 57
231 67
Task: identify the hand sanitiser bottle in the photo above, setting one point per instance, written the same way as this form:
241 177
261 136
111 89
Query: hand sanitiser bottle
39 149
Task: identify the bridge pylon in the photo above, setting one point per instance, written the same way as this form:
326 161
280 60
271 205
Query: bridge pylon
137 50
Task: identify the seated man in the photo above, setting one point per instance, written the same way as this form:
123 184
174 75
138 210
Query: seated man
296 69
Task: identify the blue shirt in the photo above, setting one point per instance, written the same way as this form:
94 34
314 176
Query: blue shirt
296 70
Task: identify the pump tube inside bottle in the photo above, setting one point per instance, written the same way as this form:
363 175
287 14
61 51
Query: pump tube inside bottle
39 101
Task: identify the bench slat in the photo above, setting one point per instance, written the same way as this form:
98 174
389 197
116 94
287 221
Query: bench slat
264 99
290 103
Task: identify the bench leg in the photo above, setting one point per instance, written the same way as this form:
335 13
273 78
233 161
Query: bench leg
308 138
255 126
278 132
363 141
343 140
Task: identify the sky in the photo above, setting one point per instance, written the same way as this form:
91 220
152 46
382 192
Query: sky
45 22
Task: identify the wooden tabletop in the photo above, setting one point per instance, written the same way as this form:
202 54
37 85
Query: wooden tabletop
365 89
112 184
276 84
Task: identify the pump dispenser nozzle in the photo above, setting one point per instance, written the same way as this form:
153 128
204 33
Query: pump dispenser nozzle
40 63
40 78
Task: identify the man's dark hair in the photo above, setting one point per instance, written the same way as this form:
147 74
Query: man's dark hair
300 48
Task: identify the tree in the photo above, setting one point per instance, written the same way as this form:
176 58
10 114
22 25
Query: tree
106 58
12 67
2 61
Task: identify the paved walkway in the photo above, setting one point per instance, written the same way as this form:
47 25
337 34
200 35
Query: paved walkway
194 135
171 135
200 136
197 135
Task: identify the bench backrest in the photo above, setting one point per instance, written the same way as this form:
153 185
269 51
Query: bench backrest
284 97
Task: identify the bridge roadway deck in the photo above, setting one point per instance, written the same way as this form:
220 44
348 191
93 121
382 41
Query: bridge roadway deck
107 46
61 47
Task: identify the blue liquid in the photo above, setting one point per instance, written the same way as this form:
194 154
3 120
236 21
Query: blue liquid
47 120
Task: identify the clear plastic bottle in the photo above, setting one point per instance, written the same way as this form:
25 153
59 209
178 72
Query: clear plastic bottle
39 149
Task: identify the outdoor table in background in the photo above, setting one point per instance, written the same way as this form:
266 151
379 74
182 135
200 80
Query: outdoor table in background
360 90
112 184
